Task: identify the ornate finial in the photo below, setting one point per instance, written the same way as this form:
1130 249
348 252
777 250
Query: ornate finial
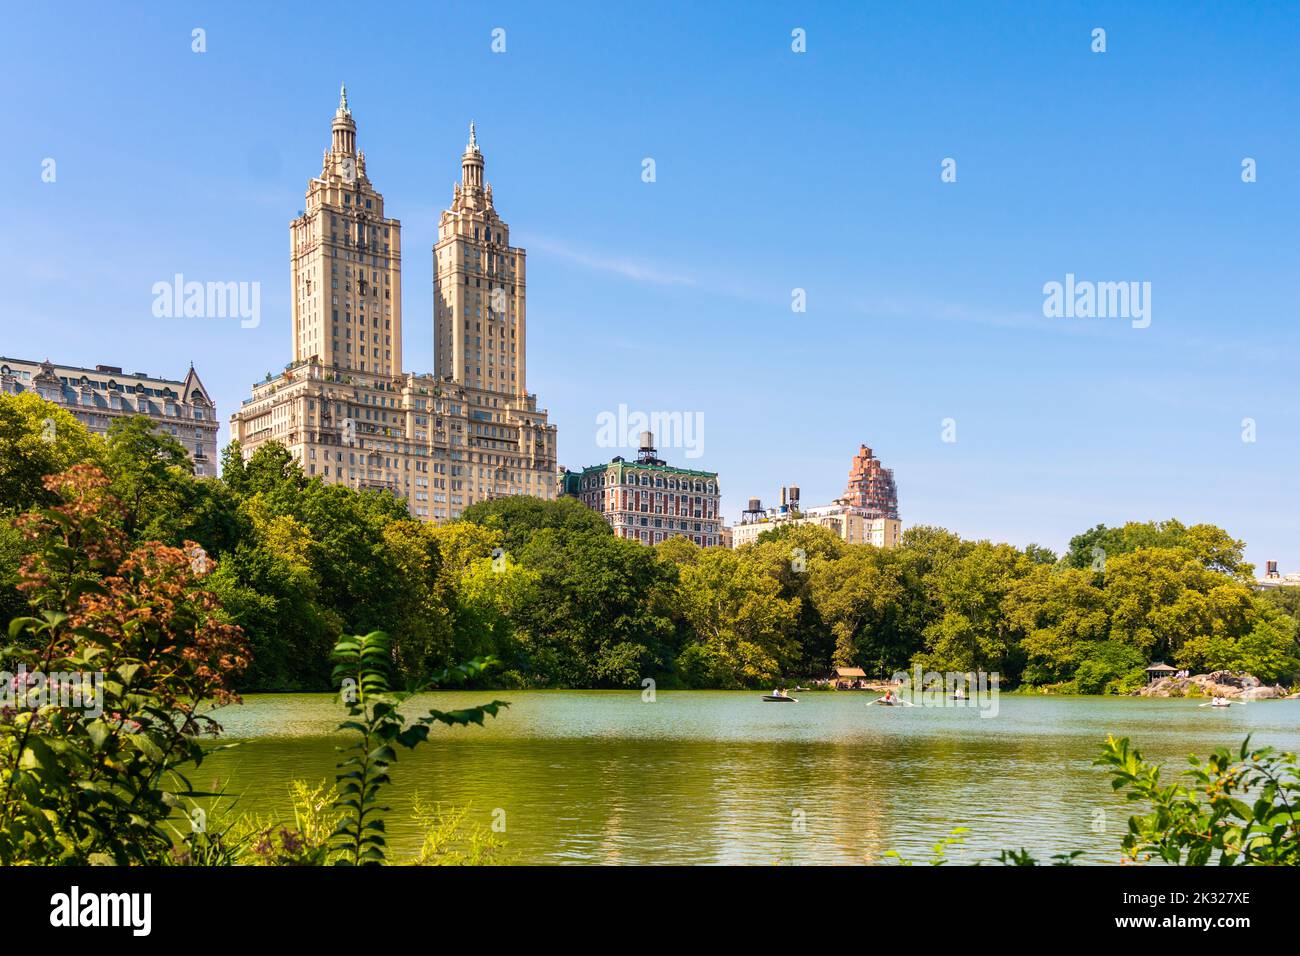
473 138
343 98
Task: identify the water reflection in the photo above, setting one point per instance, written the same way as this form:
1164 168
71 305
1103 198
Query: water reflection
603 777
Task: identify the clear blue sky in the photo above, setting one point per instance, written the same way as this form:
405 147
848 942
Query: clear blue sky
775 170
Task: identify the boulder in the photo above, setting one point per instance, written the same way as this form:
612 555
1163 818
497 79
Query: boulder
1229 684
1241 681
1263 692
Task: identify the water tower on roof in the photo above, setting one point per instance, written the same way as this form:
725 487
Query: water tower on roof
646 453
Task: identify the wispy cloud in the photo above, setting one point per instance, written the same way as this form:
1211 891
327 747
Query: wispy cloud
717 283
913 309
614 265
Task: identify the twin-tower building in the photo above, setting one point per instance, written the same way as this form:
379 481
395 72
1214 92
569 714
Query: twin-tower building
345 409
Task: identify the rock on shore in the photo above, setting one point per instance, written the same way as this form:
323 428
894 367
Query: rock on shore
1237 686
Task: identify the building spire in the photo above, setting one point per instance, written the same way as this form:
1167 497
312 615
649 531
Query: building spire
471 165
343 129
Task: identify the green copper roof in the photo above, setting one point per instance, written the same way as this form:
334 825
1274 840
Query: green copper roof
666 469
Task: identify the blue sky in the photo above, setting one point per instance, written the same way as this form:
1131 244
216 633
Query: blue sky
774 171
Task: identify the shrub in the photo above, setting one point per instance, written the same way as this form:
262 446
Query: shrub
1235 811
95 781
1109 666
362 673
451 839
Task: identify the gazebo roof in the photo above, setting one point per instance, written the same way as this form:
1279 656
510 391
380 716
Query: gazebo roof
850 672
1161 667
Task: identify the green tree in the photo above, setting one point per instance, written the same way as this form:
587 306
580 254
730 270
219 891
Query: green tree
1211 546
1158 599
519 517
1037 554
419 612
38 439
788 555
1060 614
974 632
1269 650
267 586
856 596
152 476
741 623
1110 667
493 595
594 619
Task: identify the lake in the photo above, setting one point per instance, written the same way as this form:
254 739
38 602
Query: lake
721 777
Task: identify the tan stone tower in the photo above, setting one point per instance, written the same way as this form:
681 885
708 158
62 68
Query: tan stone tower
344 408
346 263
478 288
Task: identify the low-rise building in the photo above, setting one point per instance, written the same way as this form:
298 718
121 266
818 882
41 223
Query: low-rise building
853 525
649 500
1273 579
867 513
96 397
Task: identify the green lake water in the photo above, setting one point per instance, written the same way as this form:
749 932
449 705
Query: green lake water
721 777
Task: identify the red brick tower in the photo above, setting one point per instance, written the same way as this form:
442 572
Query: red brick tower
871 486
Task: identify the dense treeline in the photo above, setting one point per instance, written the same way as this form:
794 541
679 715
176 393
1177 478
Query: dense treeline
548 589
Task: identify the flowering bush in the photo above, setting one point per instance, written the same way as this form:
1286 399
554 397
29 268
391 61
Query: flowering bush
83 784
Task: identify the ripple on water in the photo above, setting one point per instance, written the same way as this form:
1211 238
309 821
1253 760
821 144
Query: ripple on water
709 777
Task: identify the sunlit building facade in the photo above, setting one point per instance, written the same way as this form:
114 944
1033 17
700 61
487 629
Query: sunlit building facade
345 409
96 397
649 500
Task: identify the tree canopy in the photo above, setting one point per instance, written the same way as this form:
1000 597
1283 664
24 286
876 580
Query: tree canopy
547 589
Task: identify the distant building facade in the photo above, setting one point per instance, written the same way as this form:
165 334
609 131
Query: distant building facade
345 409
853 525
96 397
867 513
650 501
1274 579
